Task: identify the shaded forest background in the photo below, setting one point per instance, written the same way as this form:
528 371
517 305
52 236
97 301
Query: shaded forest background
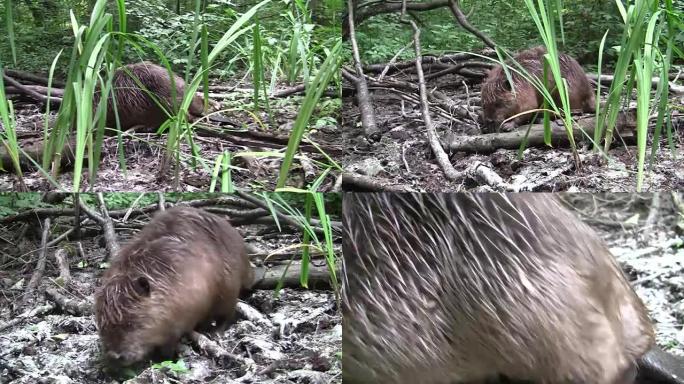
507 22
42 28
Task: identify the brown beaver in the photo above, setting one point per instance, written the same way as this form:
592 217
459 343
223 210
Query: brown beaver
499 103
443 288
135 105
183 270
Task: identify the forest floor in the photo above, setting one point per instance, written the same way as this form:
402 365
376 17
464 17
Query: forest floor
402 157
297 338
256 169
649 249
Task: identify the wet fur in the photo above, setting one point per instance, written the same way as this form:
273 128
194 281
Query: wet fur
442 288
499 103
135 105
194 264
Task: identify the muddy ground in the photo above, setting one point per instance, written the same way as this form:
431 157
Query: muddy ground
294 338
143 152
403 158
646 237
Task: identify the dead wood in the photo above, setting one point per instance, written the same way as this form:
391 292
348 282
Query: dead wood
259 139
458 68
41 213
319 277
285 218
54 92
455 7
31 153
33 78
362 183
441 62
72 306
62 259
448 106
370 9
488 143
30 314
212 349
105 221
54 102
607 80
36 213
42 258
432 138
289 91
363 97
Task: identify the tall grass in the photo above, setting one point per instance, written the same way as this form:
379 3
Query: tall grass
98 45
9 21
314 207
328 70
545 18
98 48
9 133
646 24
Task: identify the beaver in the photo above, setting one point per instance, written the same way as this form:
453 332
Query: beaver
185 269
442 288
135 105
499 103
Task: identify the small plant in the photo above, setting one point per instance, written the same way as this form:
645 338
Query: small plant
173 366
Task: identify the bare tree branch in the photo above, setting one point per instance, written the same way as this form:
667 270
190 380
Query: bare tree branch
433 139
363 98
455 7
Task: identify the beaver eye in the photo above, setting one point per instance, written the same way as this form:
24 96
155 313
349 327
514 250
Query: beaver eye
142 286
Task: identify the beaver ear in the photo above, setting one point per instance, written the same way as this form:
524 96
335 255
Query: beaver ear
142 286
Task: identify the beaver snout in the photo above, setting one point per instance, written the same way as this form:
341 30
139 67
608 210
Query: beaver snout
122 359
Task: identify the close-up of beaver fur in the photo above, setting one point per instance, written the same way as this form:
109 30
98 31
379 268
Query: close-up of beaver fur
460 288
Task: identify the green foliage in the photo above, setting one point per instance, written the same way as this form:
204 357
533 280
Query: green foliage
315 205
508 23
40 32
12 202
328 70
174 366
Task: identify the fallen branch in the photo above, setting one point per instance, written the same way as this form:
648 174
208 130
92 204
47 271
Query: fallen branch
488 143
42 257
71 306
33 78
285 218
608 80
215 351
432 138
378 8
31 153
37 311
319 277
36 96
455 7
363 97
61 256
427 61
106 223
362 183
